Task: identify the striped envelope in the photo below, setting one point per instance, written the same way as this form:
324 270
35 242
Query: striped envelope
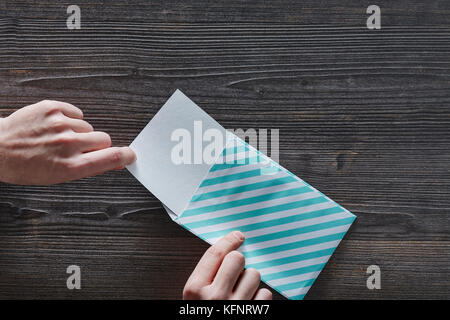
290 228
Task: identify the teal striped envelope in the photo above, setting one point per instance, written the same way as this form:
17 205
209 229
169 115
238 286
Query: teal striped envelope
291 229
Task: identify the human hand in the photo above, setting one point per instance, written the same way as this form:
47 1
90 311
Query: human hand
220 274
48 142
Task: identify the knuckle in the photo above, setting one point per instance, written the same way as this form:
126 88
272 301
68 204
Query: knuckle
231 239
215 252
104 136
65 138
69 165
49 106
191 291
78 164
237 257
254 273
58 123
116 156
46 102
217 294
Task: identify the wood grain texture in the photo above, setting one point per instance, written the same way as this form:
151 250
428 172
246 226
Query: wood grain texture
364 116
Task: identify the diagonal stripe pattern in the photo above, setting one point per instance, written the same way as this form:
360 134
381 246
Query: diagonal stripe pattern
291 229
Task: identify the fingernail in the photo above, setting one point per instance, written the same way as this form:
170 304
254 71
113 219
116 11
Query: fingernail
239 235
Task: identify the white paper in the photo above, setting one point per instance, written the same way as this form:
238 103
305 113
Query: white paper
172 184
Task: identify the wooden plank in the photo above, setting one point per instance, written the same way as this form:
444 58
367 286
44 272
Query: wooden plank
364 116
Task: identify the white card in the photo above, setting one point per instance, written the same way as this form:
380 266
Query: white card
172 184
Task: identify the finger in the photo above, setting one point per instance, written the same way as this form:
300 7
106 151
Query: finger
263 294
247 285
79 126
95 140
229 271
68 109
208 265
100 161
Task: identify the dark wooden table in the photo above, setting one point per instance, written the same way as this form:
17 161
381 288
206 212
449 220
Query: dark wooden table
364 116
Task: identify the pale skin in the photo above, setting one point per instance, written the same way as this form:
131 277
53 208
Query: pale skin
220 274
49 142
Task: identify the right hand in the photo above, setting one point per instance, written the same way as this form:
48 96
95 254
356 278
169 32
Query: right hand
48 142
220 274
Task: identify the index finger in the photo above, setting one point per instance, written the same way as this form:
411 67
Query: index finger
207 267
99 161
